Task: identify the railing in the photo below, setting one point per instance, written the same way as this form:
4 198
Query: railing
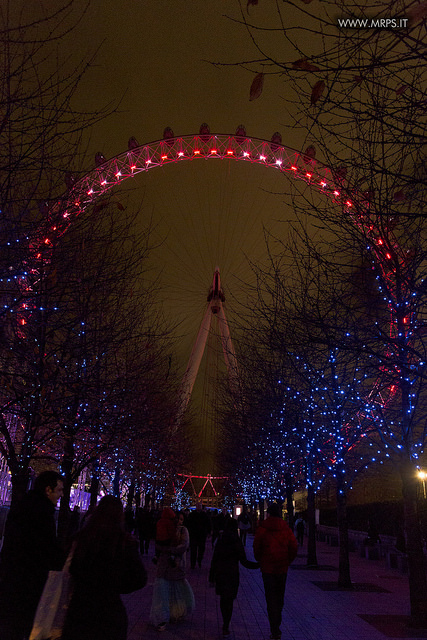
357 537
384 550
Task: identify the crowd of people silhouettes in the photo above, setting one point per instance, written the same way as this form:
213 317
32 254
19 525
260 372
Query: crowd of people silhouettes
107 546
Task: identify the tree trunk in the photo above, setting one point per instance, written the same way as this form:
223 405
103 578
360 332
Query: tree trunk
64 516
311 521
20 481
344 579
116 481
131 494
138 497
64 506
414 547
261 508
94 486
290 499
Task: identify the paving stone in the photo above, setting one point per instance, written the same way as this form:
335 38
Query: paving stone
310 613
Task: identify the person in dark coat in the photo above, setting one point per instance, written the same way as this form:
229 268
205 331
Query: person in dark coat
224 572
244 524
275 547
373 537
218 524
74 524
199 527
129 520
30 550
144 524
105 563
300 529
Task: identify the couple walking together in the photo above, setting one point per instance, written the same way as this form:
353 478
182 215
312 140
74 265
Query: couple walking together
275 547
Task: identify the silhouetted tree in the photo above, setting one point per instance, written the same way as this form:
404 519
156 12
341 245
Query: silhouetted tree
355 90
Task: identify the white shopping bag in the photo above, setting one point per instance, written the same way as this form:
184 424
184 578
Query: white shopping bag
53 605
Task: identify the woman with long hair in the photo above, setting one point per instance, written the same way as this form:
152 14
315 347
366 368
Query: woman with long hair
224 572
106 563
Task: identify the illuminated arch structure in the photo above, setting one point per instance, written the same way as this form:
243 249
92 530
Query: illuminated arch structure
110 173
295 165
210 492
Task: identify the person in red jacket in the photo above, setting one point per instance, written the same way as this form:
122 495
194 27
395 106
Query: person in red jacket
275 547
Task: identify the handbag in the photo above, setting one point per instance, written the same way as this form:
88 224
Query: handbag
53 604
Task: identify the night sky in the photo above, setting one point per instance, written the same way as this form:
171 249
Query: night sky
155 58
154 61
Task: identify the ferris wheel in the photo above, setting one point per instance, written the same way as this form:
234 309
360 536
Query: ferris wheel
172 154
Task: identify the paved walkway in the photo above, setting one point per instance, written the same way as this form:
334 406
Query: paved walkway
312 610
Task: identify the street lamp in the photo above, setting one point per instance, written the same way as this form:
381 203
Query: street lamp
423 477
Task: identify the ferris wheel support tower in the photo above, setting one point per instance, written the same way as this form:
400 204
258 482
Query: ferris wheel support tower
215 308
